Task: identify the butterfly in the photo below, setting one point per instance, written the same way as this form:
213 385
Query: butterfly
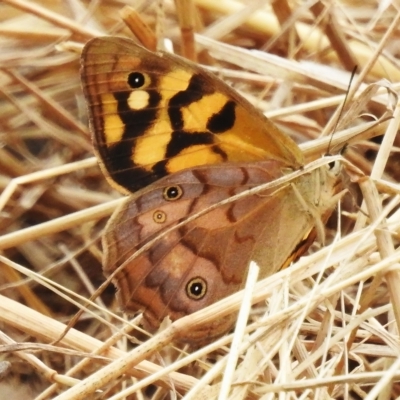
179 141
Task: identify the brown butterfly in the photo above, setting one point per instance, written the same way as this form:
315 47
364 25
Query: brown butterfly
186 141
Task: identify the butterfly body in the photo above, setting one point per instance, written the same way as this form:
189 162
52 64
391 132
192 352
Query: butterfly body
180 141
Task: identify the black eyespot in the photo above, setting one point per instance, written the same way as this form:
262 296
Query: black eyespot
196 288
159 217
172 193
136 80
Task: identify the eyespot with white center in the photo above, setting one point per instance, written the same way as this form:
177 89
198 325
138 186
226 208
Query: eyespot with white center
159 217
172 193
136 80
196 288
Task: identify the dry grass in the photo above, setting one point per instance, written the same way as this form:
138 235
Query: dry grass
329 327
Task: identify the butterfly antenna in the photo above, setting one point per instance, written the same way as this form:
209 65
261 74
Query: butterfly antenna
353 72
